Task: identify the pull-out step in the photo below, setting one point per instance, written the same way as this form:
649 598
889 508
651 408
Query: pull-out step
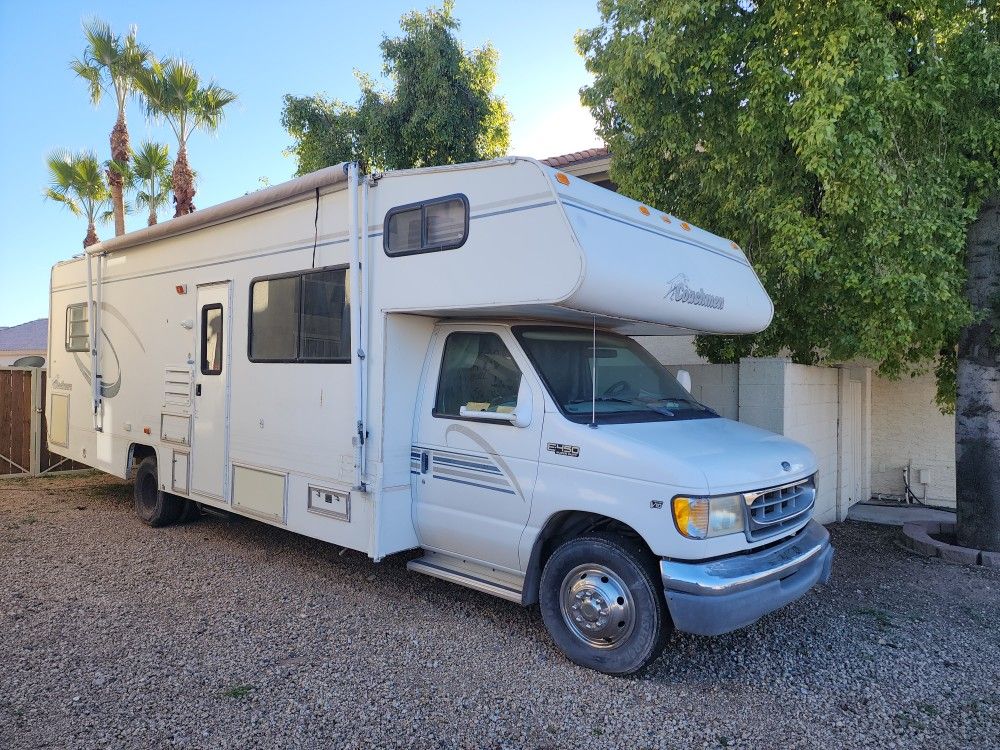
469 574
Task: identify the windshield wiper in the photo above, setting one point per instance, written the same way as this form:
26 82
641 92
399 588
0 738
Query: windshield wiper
630 402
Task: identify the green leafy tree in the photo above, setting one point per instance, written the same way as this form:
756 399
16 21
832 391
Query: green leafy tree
174 92
849 148
110 64
150 177
77 182
441 109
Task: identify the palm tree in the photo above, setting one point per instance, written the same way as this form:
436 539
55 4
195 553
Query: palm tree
174 92
78 183
151 176
110 64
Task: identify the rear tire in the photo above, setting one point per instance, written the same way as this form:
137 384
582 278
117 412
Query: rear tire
190 511
602 603
154 506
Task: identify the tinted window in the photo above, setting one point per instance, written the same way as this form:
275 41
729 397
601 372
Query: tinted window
77 328
326 321
439 224
303 317
211 339
274 316
404 231
477 372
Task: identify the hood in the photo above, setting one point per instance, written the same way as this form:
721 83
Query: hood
734 457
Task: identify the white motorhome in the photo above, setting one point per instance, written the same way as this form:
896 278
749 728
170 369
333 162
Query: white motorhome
442 359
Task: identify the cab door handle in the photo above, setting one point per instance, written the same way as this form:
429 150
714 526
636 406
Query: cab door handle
197 389
424 462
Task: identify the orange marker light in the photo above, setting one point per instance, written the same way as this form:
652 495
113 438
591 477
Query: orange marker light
644 211
562 179
146 430
685 226
666 219
181 288
733 245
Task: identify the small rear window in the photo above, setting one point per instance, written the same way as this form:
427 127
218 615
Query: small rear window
427 227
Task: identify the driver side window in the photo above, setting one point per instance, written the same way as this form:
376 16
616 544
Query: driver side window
477 372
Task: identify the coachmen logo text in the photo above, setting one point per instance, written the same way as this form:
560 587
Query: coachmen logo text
679 290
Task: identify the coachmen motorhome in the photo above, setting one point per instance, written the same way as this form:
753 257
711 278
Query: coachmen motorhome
442 359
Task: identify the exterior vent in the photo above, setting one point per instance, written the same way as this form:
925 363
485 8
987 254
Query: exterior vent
177 386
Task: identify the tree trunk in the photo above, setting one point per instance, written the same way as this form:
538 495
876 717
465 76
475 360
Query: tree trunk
977 407
183 183
91 238
152 215
119 154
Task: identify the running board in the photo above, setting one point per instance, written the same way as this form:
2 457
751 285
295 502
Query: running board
468 574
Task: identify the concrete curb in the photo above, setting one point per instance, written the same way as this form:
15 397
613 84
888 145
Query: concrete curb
917 537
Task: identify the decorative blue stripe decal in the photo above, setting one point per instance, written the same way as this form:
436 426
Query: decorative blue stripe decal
474 484
467 464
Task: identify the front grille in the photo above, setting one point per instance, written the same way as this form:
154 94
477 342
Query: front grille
779 508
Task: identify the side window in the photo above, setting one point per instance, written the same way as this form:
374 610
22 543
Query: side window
477 372
302 317
211 339
427 227
77 328
325 333
274 312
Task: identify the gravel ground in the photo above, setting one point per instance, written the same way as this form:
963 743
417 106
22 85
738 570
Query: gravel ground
229 633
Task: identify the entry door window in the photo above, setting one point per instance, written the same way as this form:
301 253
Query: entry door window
477 372
211 339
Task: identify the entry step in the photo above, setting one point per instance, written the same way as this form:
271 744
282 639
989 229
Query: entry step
469 574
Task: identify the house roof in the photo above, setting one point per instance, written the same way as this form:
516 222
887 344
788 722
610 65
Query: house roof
577 157
25 337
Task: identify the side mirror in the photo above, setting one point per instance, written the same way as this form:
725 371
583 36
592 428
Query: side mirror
684 378
520 417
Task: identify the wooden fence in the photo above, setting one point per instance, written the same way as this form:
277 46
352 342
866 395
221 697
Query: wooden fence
23 430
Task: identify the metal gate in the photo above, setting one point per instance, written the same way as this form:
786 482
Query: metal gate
23 445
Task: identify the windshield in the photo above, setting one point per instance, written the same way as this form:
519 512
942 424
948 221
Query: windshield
631 385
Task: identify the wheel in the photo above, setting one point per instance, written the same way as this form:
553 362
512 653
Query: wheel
153 506
190 511
601 602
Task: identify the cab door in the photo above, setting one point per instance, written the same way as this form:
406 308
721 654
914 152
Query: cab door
475 449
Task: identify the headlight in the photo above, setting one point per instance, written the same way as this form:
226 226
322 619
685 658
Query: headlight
705 517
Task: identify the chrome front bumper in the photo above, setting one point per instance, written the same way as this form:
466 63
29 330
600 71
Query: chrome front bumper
710 598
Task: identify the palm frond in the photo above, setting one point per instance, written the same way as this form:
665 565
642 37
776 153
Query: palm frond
173 92
77 181
110 63
91 74
66 200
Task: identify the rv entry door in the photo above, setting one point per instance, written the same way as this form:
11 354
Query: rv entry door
211 392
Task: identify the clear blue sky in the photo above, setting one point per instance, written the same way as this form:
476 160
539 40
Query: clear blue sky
262 51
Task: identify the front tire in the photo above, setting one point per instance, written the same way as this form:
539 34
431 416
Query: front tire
602 604
154 506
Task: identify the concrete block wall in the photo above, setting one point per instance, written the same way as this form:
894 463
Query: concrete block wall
908 428
812 403
801 403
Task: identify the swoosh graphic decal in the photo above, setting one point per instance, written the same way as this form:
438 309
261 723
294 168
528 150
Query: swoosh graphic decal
116 313
110 390
479 440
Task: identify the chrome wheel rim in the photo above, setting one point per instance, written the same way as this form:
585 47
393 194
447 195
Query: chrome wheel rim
597 606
